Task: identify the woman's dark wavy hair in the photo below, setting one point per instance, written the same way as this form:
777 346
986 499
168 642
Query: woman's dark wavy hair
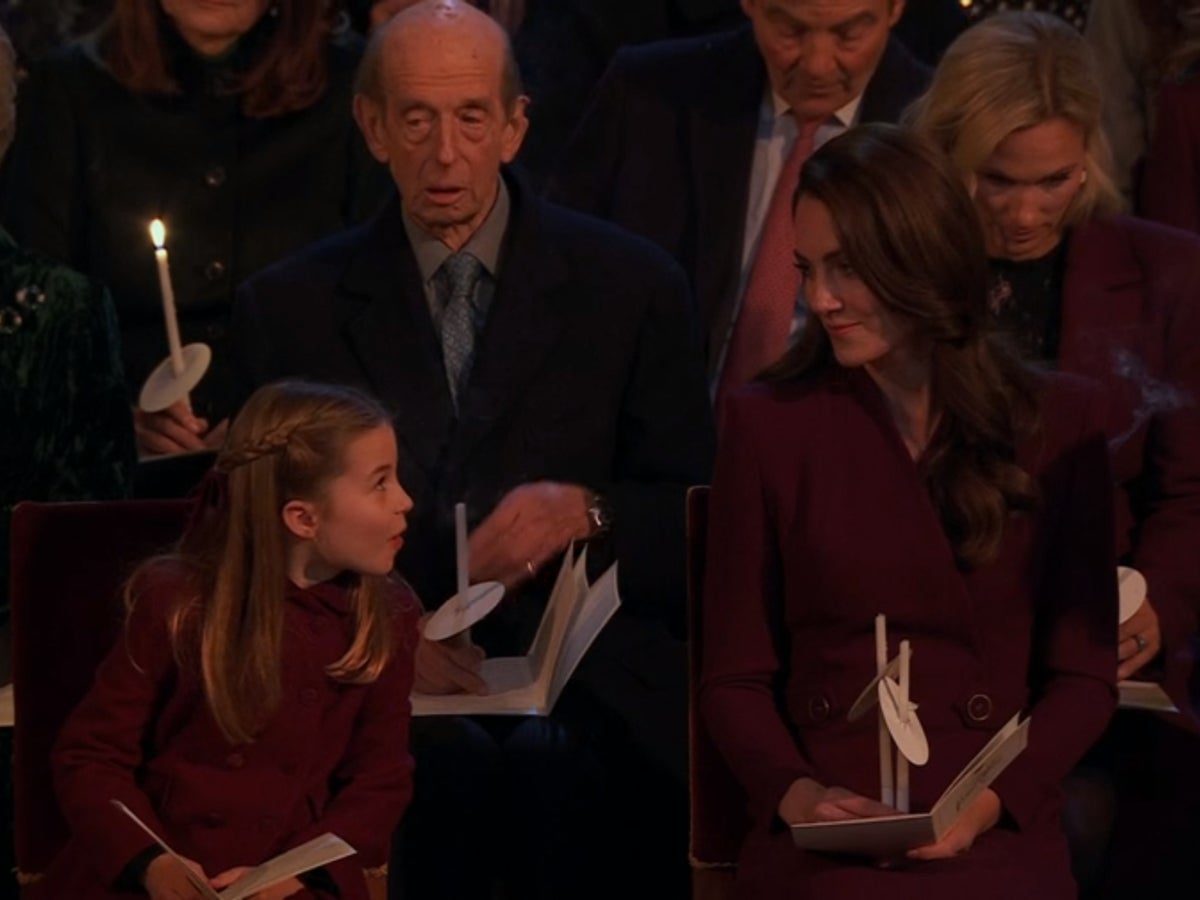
289 71
909 229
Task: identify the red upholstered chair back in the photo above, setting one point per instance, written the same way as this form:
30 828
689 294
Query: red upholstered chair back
719 820
69 561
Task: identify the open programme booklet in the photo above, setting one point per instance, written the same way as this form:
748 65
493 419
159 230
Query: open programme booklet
530 684
1144 695
308 856
886 836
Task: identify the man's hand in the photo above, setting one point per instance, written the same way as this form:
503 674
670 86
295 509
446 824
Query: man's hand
980 816
447 667
1138 640
165 879
274 892
531 524
175 430
808 800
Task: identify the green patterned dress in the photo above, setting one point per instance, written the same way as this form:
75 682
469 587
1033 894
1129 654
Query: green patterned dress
66 429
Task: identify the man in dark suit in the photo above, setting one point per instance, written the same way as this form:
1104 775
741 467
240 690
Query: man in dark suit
559 392
686 140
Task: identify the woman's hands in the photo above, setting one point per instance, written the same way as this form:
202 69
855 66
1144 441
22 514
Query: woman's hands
810 801
980 816
1138 640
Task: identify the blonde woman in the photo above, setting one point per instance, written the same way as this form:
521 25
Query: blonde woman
1017 105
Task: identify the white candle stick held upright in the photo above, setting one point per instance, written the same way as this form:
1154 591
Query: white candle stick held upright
460 550
902 803
453 619
158 234
171 380
886 791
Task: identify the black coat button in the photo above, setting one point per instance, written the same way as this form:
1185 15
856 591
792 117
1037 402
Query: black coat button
979 707
215 270
215 177
818 708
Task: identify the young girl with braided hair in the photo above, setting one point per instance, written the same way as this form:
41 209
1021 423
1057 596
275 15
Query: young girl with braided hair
258 695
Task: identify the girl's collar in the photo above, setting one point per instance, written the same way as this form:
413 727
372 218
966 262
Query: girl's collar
334 595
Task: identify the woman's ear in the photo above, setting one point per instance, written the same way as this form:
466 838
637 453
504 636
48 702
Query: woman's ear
300 518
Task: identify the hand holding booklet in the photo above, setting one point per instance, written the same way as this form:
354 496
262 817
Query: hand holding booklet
308 856
886 836
531 684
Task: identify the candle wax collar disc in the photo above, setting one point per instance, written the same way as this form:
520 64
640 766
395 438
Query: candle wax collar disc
909 736
164 387
1132 587
867 698
455 616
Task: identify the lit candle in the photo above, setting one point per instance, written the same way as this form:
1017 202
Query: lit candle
158 234
901 759
886 791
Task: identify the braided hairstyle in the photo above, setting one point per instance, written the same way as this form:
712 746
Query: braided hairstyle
288 442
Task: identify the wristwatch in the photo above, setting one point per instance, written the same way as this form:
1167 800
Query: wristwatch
599 515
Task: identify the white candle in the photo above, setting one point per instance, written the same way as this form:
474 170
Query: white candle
460 550
158 234
901 760
886 791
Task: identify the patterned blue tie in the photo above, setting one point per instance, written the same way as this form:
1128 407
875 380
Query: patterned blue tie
461 275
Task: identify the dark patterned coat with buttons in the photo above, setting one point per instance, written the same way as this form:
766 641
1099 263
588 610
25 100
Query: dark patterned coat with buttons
332 757
819 520
93 164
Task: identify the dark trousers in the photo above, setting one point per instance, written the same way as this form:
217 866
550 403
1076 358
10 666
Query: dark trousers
1132 810
525 808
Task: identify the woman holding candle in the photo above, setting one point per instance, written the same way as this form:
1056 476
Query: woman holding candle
228 121
899 461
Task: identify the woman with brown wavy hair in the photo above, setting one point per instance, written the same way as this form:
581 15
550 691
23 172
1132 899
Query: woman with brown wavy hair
231 122
898 460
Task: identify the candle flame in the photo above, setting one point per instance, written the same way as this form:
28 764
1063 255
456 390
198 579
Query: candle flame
158 233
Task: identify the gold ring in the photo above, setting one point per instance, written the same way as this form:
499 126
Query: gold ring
529 568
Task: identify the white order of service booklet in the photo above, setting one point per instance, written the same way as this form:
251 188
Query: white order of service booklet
319 851
531 684
889 836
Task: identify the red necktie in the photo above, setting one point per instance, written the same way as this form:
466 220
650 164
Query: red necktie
760 331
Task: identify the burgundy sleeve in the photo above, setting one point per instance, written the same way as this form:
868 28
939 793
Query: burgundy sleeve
741 606
1168 533
1073 675
100 747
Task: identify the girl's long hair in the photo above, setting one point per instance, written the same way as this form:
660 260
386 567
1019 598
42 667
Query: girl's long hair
908 228
288 442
